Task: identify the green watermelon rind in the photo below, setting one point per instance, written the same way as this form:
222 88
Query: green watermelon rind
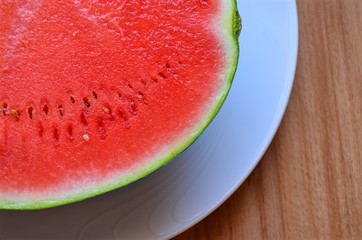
231 25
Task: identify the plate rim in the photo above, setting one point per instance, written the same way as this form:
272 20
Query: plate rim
279 115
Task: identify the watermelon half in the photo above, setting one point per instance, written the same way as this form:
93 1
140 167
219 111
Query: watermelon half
96 94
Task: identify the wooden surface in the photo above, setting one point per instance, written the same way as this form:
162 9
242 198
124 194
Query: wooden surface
309 183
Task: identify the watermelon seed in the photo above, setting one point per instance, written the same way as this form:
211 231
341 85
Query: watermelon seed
133 106
5 106
130 86
70 131
162 74
83 120
61 112
46 109
86 137
15 113
95 95
154 79
119 94
72 100
41 130
31 112
4 109
106 110
56 134
140 95
86 102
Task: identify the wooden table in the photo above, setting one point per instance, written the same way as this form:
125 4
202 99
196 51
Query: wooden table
309 183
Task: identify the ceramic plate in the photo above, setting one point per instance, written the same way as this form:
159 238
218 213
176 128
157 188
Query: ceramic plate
199 180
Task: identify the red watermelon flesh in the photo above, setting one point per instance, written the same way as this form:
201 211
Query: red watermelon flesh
96 94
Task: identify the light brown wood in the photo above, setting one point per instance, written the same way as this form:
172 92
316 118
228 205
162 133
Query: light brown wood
309 183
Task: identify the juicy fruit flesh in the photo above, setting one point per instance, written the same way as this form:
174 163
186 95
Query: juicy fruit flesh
89 88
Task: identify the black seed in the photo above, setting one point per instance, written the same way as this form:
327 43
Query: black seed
86 102
46 109
95 95
61 111
31 112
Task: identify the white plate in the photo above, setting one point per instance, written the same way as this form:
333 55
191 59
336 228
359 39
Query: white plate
193 185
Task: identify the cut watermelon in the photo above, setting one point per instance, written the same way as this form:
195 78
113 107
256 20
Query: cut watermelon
96 94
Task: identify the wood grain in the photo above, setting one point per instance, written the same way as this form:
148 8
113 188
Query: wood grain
309 183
